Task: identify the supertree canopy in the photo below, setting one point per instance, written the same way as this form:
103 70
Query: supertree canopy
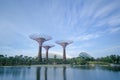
40 38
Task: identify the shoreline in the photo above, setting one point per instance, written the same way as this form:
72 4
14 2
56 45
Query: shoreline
60 65
46 65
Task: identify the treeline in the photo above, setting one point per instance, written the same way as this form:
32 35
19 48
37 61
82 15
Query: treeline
17 60
115 59
111 59
25 60
81 60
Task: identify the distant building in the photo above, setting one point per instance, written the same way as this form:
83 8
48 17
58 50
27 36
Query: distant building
51 55
84 55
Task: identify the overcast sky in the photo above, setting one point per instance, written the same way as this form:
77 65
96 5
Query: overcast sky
93 25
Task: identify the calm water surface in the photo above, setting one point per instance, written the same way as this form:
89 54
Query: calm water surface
60 73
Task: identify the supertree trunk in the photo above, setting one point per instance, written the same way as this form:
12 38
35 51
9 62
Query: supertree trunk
64 54
47 47
64 45
40 54
47 55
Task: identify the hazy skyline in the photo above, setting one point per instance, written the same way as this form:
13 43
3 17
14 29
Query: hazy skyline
93 25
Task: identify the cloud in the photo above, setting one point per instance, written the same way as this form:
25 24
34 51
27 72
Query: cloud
79 20
10 51
107 51
104 10
88 37
114 21
114 30
86 17
85 37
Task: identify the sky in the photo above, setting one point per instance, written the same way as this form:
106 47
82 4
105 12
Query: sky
92 25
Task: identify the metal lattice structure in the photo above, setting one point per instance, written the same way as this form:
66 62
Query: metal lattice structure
64 43
40 39
47 47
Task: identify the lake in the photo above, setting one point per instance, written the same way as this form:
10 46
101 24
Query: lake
59 73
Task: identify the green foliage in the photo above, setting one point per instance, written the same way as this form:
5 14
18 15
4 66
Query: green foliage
78 61
25 60
17 60
115 59
98 63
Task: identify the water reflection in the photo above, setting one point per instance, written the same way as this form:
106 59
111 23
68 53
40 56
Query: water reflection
38 69
55 72
85 67
64 73
13 72
59 73
108 68
38 73
45 75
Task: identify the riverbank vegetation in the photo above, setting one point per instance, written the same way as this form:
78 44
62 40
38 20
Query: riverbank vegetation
25 60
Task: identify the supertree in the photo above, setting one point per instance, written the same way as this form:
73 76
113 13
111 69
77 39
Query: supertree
47 47
40 39
64 44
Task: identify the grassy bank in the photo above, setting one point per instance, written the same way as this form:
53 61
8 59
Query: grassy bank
98 63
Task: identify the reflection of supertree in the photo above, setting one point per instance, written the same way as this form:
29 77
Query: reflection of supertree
64 44
45 73
64 73
40 39
38 69
47 47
